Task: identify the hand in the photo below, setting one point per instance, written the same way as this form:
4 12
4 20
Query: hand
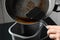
53 32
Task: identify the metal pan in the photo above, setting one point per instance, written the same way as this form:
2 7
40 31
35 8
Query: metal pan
17 9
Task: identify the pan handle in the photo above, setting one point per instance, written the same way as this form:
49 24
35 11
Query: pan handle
57 8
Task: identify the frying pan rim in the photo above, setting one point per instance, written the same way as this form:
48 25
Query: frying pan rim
49 11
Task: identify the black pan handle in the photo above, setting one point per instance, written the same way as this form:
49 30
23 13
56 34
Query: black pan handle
56 8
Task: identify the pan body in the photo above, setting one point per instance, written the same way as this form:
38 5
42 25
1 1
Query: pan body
17 9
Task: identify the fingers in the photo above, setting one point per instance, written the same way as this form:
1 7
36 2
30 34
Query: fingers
54 32
52 36
53 27
51 31
55 36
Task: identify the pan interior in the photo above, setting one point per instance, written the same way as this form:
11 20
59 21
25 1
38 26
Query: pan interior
18 9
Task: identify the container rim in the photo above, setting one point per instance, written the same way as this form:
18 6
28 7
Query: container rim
24 37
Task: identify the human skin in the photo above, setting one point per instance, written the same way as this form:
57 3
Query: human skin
53 32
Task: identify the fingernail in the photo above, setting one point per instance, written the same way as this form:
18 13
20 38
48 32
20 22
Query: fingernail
48 26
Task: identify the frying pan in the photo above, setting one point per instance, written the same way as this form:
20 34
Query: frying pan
17 9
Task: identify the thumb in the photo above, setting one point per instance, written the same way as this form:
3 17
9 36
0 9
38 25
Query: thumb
48 26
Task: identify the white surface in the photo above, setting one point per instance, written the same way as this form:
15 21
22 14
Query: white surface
57 1
56 17
58 8
7 18
1 15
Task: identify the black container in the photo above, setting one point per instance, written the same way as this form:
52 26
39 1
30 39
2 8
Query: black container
25 32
